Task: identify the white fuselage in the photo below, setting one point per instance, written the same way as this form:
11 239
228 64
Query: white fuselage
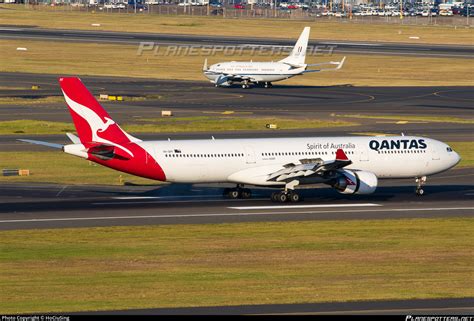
255 71
249 161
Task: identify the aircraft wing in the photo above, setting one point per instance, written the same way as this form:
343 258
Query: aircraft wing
309 167
338 64
224 78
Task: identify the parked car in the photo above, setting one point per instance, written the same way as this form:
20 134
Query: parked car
239 6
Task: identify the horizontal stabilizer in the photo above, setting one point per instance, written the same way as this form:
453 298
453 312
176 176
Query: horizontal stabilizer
338 64
38 142
73 138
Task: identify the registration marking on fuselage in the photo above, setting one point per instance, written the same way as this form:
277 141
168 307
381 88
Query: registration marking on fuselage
302 206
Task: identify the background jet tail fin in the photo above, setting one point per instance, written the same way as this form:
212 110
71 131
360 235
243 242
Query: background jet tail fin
92 122
298 54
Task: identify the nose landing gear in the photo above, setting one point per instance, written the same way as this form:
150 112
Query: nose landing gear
420 181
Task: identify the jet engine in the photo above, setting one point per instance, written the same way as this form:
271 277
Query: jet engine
355 182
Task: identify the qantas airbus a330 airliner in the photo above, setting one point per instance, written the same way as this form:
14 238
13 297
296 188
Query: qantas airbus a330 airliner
351 165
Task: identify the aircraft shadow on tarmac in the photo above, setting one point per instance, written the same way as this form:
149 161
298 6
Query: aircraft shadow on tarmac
281 86
396 193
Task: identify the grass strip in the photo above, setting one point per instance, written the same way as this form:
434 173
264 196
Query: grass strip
322 29
89 269
177 124
101 59
429 119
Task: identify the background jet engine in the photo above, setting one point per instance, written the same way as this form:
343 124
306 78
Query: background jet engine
355 182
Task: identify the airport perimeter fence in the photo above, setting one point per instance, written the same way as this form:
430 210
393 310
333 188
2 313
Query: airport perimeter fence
256 13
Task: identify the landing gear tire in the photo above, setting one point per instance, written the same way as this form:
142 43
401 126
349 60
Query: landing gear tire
294 197
268 85
234 194
419 191
282 197
274 196
246 193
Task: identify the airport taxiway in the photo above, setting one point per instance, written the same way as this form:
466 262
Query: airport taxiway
194 98
449 194
130 38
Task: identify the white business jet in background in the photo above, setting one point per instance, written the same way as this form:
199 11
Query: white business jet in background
247 72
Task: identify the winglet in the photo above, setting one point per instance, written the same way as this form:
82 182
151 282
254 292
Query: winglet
341 63
340 155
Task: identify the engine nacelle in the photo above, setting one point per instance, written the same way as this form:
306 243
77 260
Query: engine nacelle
356 182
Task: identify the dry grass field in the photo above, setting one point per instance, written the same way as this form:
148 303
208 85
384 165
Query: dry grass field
265 28
88 269
122 60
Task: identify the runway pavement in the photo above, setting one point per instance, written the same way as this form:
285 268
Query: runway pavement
353 47
449 194
463 306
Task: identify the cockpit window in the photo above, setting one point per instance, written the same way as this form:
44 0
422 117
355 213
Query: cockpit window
449 149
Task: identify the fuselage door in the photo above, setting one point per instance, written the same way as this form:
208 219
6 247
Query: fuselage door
364 154
434 153
249 155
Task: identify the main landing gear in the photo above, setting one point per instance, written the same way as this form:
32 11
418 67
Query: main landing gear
286 196
237 192
420 181
268 84
245 85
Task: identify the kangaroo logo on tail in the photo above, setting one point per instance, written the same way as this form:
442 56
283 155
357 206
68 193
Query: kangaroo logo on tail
103 129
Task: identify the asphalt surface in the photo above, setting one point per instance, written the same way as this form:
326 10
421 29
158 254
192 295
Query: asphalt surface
449 194
464 306
353 47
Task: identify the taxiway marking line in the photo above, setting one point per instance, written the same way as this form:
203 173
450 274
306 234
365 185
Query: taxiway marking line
302 206
162 197
97 218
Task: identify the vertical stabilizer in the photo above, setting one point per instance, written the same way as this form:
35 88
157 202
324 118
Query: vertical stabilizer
298 54
92 122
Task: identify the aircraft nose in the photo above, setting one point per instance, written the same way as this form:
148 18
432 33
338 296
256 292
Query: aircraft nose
457 158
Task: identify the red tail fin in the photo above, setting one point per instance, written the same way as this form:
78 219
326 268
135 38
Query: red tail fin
93 123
